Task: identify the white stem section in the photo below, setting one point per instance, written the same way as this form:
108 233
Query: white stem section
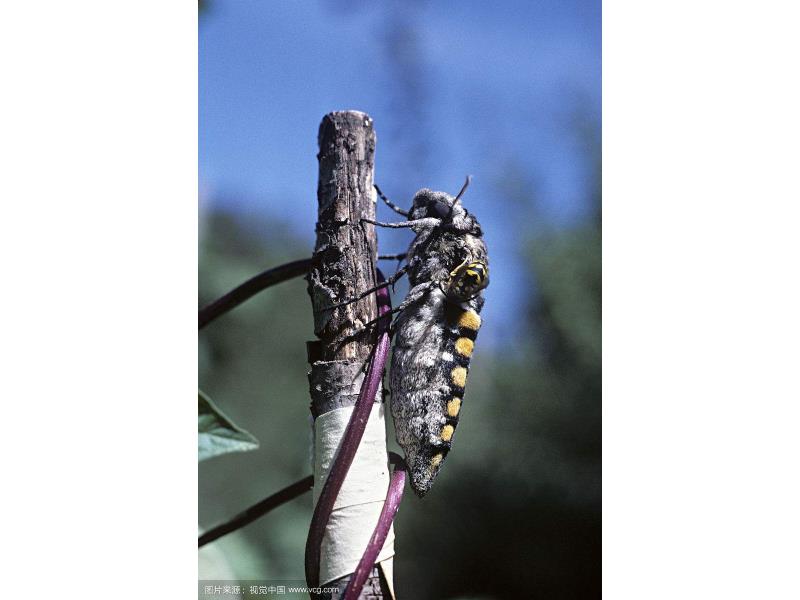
358 506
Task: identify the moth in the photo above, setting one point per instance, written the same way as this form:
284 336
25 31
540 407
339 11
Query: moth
434 334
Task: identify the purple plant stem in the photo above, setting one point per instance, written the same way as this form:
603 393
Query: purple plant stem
257 511
250 288
350 441
393 497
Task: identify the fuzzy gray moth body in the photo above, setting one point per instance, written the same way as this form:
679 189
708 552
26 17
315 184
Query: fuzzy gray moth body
435 331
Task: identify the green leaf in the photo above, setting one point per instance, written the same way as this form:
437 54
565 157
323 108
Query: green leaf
217 434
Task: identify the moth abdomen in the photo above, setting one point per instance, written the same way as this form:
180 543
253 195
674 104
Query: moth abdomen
426 465
459 331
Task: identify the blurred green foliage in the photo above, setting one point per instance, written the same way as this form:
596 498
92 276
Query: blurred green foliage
516 513
216 433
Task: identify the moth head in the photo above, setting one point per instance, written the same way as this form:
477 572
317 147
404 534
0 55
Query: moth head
467 280
442 206
439 205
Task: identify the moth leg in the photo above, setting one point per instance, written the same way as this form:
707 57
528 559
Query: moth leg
380 286
369 324
427 222
400 256
415 293
397 270
389 203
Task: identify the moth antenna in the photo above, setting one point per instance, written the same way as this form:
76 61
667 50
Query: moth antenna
461 193
463 188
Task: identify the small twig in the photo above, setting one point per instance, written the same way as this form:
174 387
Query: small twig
393 497
257 510
350 442
250 288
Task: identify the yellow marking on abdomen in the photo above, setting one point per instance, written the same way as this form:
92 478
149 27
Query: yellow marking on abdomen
447 433
459 376
453 406
469 319
464 346
436 460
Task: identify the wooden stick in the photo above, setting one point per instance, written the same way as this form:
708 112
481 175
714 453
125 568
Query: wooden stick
343 264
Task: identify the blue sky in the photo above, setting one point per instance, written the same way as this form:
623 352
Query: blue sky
454 88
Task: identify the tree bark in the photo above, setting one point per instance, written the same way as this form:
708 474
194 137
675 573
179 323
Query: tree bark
343 264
